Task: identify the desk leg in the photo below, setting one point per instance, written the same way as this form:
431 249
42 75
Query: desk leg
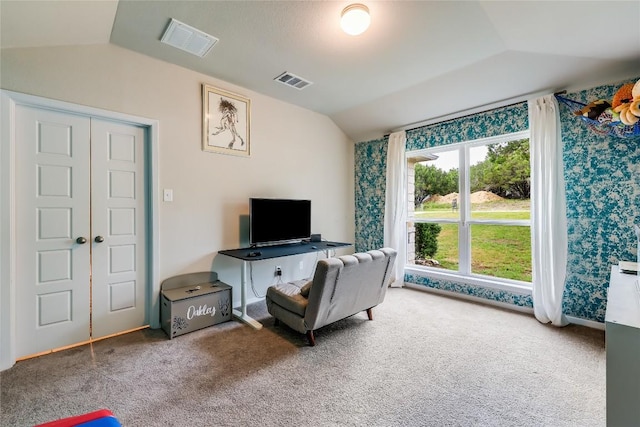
242 313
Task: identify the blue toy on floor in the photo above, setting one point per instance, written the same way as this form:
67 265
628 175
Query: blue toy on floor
100 418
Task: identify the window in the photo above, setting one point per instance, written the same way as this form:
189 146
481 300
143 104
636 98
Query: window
469 209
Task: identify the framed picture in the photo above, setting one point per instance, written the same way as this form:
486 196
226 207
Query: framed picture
225 122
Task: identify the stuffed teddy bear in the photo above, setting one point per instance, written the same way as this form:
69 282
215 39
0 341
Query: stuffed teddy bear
626 104
635 104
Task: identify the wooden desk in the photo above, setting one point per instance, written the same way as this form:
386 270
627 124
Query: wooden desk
248 255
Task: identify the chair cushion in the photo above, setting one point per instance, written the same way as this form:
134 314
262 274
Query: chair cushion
306 288
288 296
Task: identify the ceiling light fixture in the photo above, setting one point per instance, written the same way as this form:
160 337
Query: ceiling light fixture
355 19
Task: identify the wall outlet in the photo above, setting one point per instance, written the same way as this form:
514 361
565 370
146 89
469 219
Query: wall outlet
278 270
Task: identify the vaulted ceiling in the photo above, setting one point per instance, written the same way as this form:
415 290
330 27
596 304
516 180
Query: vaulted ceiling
419 61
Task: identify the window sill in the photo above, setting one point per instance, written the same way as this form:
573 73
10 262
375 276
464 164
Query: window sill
522 288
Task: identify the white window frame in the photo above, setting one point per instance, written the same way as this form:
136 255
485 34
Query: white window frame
464 221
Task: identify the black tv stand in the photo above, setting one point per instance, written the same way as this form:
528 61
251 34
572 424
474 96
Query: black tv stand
259 253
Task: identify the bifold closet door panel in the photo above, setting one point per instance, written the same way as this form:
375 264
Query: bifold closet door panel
52 229
118 215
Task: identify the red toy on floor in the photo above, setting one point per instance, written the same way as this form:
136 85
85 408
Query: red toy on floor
100 418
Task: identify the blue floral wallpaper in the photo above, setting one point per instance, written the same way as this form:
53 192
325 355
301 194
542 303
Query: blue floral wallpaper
602 176
370 173
483 125
476 291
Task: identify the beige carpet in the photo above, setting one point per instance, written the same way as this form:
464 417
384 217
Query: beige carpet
425 360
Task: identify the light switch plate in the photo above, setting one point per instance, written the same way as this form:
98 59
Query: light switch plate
168 195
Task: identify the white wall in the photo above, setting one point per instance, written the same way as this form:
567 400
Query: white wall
295 153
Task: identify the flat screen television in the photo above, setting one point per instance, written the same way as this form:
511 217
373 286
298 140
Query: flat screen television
276 221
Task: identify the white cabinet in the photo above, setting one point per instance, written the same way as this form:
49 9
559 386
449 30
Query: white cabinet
622 325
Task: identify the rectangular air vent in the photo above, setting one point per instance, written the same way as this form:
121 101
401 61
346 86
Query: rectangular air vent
292 80
187 38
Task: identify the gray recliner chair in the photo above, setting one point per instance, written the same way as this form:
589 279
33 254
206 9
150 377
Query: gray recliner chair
341 287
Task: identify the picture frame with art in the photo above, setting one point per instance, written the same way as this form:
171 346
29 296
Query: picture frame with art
225 122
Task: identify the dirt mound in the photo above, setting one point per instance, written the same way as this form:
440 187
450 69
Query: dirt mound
477 197
437 198
484 196
449 198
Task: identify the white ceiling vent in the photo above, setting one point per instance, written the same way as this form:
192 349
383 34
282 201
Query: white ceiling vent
187 38
292 80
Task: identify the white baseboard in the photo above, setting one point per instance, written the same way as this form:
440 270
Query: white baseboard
585 322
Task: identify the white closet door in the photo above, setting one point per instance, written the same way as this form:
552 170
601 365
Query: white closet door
81 231
118 228
52 202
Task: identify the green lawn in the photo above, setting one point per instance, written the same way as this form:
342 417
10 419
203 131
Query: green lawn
501 251
496 250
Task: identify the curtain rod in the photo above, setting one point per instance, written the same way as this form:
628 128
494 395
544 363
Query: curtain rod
470 111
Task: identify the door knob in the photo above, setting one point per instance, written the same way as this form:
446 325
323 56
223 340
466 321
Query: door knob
99 239
81 240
